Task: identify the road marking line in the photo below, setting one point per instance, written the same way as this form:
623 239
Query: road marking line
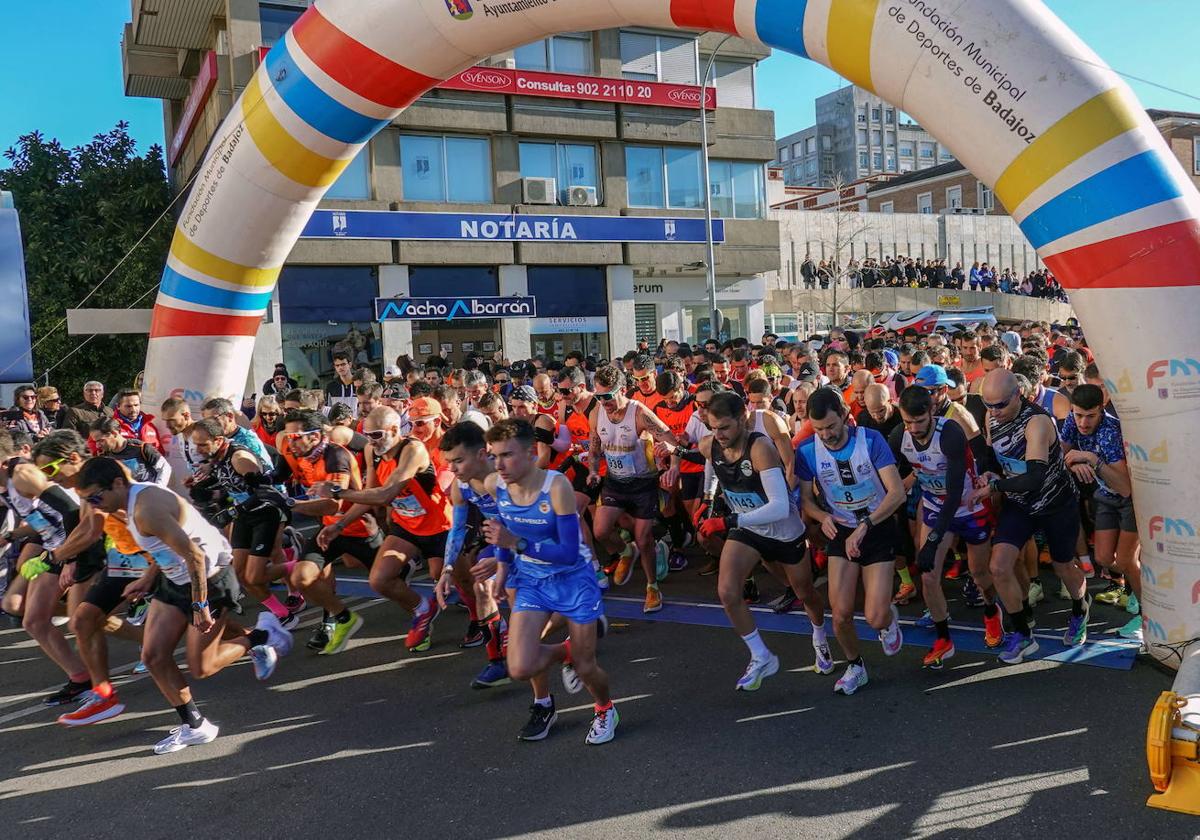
775 714
1041 738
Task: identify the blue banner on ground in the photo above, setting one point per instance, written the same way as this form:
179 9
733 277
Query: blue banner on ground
450 308
499 227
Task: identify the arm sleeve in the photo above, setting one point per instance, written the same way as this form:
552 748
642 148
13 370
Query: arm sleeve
543 435
985 458
710 480
458 533
1030 480
693 456
565 549
778 500
954 447
504 555
162 467
895 442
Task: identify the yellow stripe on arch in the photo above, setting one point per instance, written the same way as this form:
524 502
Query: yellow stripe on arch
1089 126
851 24
287 154
219 268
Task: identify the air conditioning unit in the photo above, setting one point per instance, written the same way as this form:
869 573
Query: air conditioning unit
582 197
539 190
965 211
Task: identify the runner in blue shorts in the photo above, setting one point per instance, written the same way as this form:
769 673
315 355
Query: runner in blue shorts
537 530
935 450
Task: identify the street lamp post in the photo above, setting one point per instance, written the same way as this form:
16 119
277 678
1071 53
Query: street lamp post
714 328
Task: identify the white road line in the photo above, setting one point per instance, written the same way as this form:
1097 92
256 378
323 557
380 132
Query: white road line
776 714
1066 734
591 706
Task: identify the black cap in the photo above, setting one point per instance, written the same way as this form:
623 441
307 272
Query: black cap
807 372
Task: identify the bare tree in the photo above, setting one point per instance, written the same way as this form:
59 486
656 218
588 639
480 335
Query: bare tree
848 225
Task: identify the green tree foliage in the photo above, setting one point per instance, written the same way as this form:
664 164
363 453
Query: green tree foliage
81 210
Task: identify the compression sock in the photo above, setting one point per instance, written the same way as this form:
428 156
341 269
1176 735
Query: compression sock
1027 610
272 603
606 707
1076 607
1020 622
343 617
675 529
943 629
905 577
494 638
989 610
468 598
819 637
190 715
758 649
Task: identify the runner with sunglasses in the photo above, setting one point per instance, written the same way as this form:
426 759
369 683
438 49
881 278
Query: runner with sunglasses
1037 493
643 385
195 593
144 462
313 461
403 475
624 431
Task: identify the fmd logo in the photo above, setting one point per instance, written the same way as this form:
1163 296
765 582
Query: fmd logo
1170 526
1162 580
460 9
1181 378
1122 385
1137 453
1174 537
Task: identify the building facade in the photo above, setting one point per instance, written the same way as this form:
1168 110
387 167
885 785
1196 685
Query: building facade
567 171
857 135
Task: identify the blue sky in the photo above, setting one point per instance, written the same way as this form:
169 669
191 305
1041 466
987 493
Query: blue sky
60 67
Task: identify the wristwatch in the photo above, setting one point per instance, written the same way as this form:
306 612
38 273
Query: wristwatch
197 606
522 545
335 492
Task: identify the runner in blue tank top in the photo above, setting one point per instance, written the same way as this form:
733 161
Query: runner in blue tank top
538 532
466 455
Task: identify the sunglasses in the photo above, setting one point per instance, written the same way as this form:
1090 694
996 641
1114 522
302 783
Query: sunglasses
27 397
609 397
290 435
702 404
502 381
645 378
95 498
425 421
1000 405
379 434
566 392
268 414
52 469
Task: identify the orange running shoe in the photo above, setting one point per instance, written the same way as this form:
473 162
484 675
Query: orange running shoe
993 630
943 649
94 710
905 594
654 600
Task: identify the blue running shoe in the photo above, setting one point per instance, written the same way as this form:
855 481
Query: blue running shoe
496 673
925 622
1018 648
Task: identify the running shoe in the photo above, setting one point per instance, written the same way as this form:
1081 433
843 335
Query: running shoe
1018 648
851 681
604 726
1111 595
925 622
136 616
943 649
496 673
824 657
93 710
993 630
264 659
1036 593
972 597
624 570
710 568
1132 606
341 634
1077 628
785 603
295 603
474 637
184 736
750 591
892 638
291 621
320 636
654 600
678 561
277 637
905 593
71 692
1088 568
570 679
1132 629
955 569
420 636
756 672
140 668
662 560
541 718
602 578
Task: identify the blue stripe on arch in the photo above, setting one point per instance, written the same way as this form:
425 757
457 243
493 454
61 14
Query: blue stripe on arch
191 291
315 106
780 23
1130 185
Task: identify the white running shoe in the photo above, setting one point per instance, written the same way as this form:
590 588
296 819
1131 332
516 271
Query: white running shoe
604 726
892 638
264 659
851 681
824 662
1036 593
756 672
570 680
185 736
277 637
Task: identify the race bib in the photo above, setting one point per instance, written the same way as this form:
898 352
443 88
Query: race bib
38 522
1012 466
126 565
744 502
166 559
932 483
408 506
853 497
619 464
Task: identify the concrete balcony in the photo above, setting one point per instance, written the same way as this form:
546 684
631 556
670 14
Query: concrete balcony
152 72
868 304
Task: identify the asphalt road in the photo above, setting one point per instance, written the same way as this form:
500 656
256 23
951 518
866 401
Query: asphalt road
380 743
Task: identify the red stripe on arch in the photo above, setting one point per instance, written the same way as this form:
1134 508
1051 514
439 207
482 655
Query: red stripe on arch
1160 257
357 67
716 15
169 321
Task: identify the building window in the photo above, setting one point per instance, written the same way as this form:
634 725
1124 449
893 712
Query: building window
810 166
927 151
737 188
877 158
826 143
876 138
944 154
663 177
891 139
862 137
891 162
734 81
659 58
887 207
954 197
925 203
890 115
862 115
276 19
447 169
987 200
906 150
875 115
785 154
810 145
1196 155
570 164
354 184
797 150
863 160
570 52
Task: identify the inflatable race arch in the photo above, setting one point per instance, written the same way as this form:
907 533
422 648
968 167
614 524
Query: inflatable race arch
1016 95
